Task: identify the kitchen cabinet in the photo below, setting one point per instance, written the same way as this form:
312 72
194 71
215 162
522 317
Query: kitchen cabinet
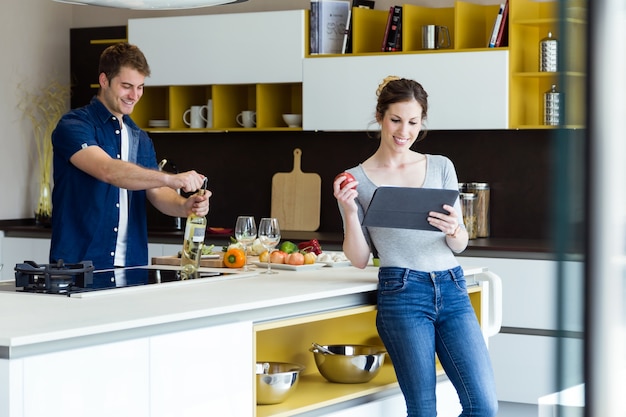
470 86
189 373
224 58
542 323
339 93
202 372
237 48
106 380
467 84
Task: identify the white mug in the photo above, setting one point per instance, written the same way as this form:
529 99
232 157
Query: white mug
247 118
198 119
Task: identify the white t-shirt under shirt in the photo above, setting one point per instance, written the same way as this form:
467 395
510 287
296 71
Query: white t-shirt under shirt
122 227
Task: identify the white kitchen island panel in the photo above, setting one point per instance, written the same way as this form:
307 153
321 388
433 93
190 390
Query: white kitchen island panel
99 381
203 372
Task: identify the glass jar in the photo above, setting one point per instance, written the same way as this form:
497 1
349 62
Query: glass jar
482 192
468 207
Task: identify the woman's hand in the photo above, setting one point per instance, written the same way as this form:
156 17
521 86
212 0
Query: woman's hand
456 236
346 195
447 223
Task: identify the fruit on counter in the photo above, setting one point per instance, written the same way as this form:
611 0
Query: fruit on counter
309 258
310 246
264 257
295 258
349 178
278 257
288 247
234 258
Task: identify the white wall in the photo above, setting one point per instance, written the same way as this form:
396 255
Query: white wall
35 47
35 42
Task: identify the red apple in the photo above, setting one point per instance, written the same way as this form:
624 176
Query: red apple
349 178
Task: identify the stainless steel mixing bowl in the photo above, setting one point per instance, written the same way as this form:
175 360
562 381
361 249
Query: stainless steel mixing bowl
349 364
275 381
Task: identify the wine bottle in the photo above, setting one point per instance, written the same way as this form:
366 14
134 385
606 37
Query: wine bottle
193 242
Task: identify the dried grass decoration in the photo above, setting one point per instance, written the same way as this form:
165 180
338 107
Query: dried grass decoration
44 108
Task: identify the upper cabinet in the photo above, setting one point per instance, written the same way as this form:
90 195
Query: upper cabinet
466 90
467 82
260 62
240 48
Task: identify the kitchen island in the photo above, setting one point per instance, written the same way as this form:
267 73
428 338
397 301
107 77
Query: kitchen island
189 349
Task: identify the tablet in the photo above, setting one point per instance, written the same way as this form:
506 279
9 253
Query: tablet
406 207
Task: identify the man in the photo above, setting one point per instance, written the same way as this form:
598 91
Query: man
105 167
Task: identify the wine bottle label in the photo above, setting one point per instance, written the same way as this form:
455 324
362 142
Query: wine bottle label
198 235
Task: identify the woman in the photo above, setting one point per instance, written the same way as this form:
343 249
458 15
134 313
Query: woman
423 306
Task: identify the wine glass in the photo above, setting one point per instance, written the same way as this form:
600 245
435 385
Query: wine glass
269 235
245 233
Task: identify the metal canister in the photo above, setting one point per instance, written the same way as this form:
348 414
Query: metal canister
482 192
468 206
552 107
548 54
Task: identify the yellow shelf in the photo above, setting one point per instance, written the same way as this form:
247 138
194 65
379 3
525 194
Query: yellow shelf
530 22
289 340
270 101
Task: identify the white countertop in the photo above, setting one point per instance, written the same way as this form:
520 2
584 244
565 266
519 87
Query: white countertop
35 319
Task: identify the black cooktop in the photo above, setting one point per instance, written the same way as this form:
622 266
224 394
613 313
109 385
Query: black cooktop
81 278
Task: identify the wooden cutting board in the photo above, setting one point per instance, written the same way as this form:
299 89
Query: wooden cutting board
175 261
296 197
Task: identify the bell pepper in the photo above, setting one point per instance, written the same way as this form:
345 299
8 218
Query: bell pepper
234 258
310 246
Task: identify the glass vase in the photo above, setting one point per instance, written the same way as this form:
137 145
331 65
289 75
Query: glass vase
43 214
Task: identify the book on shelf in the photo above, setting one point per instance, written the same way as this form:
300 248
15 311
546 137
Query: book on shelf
328 21
496 27
346 34
394 39
363 4
503 34
383 47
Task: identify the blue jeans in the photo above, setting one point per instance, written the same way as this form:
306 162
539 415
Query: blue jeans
423 313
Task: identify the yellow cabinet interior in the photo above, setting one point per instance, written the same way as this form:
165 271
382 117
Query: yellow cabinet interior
469 25
289 340
529 23
269 101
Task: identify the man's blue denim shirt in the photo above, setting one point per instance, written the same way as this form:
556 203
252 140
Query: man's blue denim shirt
85 210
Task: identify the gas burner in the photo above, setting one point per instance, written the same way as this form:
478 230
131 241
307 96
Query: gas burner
57 278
